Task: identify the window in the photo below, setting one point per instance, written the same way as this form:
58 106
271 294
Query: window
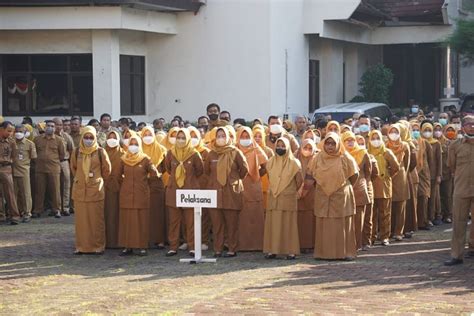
132 85
47 84
313 85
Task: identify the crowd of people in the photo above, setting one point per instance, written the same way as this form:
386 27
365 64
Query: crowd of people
327 187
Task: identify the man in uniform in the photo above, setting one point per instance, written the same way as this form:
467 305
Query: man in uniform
76 131
51 151
460 159
26 151
105 129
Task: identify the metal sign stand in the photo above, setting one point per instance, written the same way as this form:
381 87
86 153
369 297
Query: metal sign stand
198 258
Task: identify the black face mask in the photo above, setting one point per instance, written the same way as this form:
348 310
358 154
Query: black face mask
213 117
274 138
280 151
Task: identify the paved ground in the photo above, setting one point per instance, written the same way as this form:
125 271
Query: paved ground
39 275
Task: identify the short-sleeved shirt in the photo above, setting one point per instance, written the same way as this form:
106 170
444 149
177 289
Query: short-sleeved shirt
7 150
460 161
68 144
26 150
50 153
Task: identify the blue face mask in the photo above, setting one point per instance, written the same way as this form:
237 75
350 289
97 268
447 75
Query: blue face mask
416 134
364 128
443 121
414 110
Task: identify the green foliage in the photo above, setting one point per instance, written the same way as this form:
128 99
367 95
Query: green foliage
357 98
462 39
375 84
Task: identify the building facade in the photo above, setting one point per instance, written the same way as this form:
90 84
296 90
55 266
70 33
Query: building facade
158 58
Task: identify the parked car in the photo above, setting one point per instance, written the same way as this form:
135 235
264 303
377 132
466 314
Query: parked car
339 112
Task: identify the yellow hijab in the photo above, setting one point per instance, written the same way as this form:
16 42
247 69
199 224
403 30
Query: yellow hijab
155 151
357 152
336 123
133 159
87 151
29 128
182 154
226 154
200 146
379 154
254 154
305 161
282 169
260 129
166 141
430 140
232 134
443 139
160 137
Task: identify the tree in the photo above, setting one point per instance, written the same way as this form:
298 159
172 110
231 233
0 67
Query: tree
462 39
375 84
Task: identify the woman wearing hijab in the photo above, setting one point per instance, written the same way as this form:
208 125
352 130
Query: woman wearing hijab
90 165
259 136
361 193
400 186
157 154
369 208
388 167
226 166
334 127
424 153
198 144
434 207
335 172
134 218
281 218
185 166
447 136
251 217
112 189
306 221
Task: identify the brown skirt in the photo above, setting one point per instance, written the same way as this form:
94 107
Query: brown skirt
111 208
134 228
90 226
335 238
281 233
158 220
306 224
251 225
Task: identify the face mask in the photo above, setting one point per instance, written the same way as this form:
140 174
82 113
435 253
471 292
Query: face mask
49 131
19 136
414 110
112 142
220 142
317 140
273 138
245 142
460 136
362 146
172 140
126 141
280 151
148 140
213 117
88 142
120 129
457 126
416 134
443 121
180 143
276 129
376 143
364 128
438 134
356 130
27 134
194 142
427 134
133 149
394 136
451 134
307 153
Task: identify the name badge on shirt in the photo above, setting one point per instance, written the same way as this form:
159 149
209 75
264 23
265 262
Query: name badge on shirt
91 175
20 157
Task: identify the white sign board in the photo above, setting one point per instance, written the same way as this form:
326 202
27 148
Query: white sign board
196 198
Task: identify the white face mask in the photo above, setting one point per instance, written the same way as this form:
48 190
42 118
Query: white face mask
457 126
19 136
172 140
220 142
394 136
317 140
27 134
276 129
438 134
133 149
112 142
245 142
148 140
88 142
427 134
194 142
460 136
126 141
376 143
356 130
180 142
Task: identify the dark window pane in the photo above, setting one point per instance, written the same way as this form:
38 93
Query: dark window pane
138 86
138 64
81 63
125 64
16 92
125 95
15 63
82 94
48 62
51 94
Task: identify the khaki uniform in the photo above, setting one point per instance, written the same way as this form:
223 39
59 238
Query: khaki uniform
424 187
51 152
102 135
411 223
369 208
178 216
21 175
66 172
460 159
76 138
434 206
362 198
446 186
293 142
8 150
400 193
111 204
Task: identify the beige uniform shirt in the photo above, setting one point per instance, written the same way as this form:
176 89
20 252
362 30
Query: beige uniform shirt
461 162
50 152
26 150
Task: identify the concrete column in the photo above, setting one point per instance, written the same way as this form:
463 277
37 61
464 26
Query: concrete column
331 72
106 72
